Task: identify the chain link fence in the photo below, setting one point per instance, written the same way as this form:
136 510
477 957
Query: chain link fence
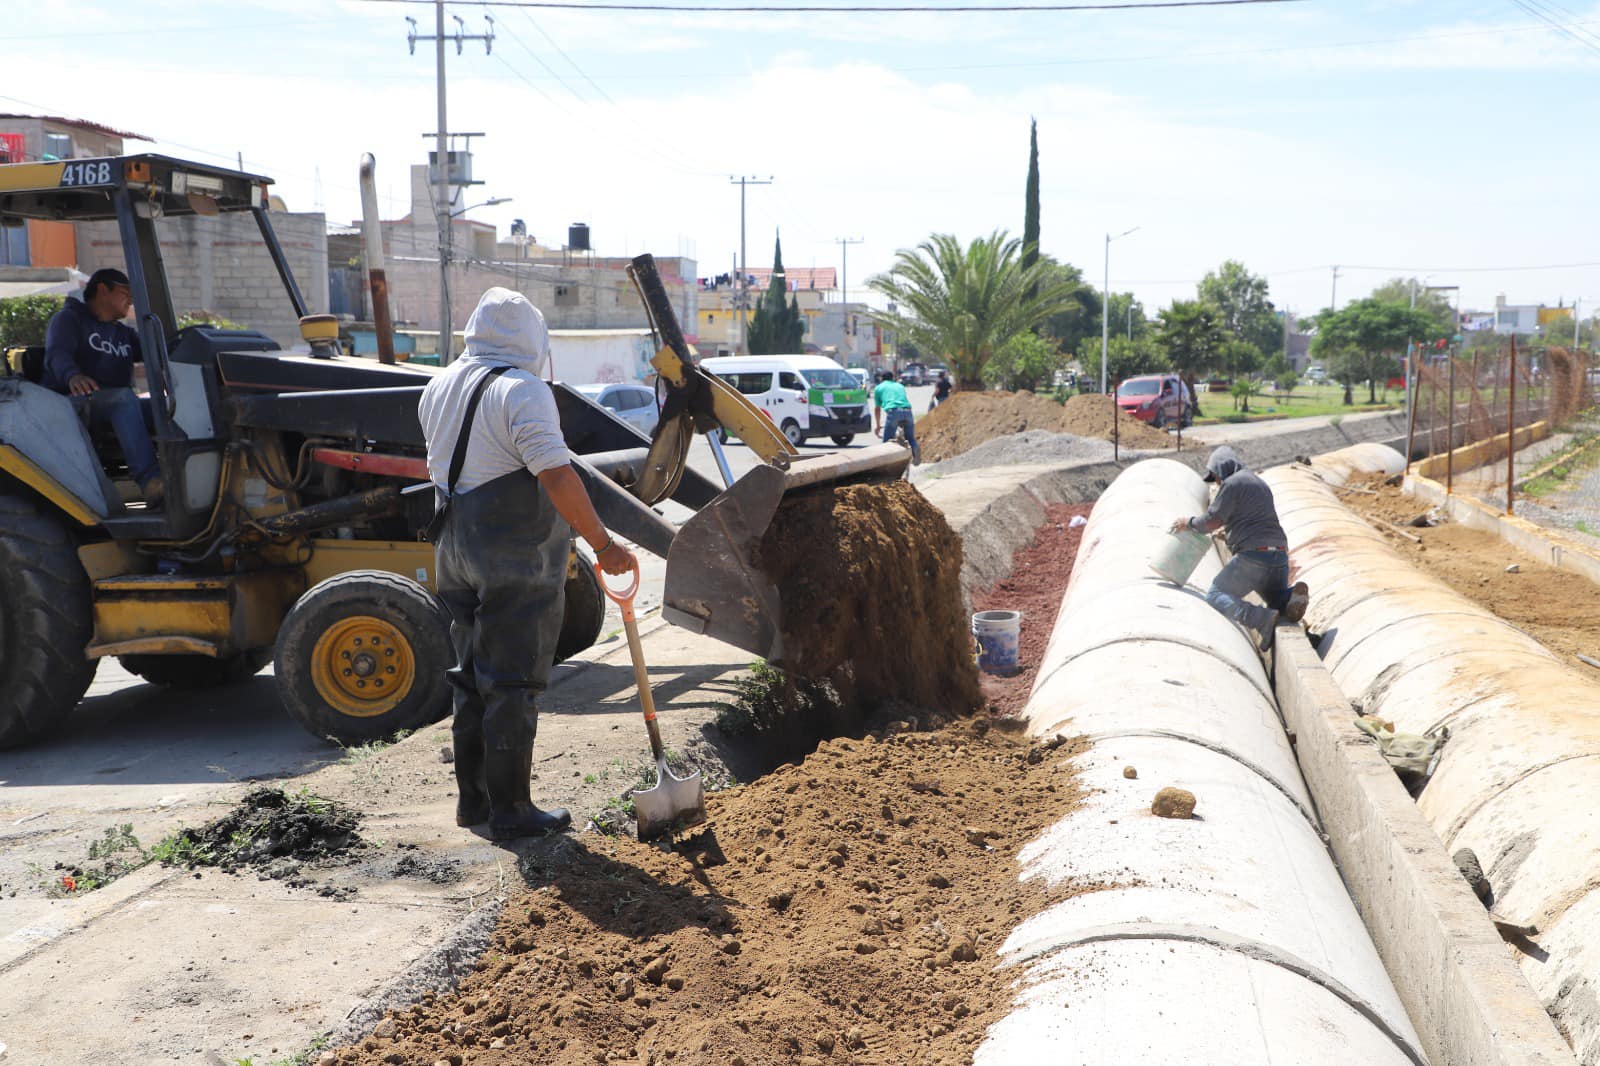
1517 430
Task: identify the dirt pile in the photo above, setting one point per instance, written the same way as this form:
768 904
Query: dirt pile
274 834
847 909
870 581
1557 607
968 419
1038 580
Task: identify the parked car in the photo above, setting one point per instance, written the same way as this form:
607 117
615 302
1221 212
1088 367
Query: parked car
862 376
1159 399
914 374
804 395
635 404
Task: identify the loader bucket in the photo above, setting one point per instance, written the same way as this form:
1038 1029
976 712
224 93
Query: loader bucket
714 582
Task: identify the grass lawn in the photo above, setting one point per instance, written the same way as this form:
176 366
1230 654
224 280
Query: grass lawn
1306 400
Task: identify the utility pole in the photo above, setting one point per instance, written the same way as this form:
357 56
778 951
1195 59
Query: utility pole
1333 300
744 264
844 244
442 198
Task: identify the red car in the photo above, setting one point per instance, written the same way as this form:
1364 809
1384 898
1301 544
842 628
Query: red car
1159 399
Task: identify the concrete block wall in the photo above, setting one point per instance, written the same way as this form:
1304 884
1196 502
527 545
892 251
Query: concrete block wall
591 297
221 265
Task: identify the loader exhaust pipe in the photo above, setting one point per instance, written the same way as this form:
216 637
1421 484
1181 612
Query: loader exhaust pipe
372 240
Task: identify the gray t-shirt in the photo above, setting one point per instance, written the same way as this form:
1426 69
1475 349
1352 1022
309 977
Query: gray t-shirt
1244 507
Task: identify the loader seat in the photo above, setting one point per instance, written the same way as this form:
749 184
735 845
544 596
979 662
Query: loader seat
27 362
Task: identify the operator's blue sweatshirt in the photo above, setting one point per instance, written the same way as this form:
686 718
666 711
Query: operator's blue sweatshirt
76 342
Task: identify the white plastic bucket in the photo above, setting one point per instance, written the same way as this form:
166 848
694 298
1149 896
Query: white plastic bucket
1179 554
998 634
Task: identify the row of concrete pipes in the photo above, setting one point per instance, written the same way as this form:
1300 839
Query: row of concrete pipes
1518 779
1230 937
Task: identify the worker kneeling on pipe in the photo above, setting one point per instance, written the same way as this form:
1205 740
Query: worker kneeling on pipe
1243 507
506 494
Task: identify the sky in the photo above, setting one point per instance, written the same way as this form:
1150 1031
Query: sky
1451 141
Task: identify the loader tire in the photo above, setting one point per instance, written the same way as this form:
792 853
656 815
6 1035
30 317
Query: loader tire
46 622
362 656
584 610
196 671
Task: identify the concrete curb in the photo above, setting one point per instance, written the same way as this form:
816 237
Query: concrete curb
1545 545
1466 996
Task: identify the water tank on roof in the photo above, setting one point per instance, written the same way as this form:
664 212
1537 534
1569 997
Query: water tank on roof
578 237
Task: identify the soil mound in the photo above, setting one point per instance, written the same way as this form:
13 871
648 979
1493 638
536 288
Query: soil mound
870 581
968 419
272 833
1555 606
847 909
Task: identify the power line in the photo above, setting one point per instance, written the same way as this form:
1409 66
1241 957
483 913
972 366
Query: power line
1151 5
1556 24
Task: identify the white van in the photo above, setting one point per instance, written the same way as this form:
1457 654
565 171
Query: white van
804 395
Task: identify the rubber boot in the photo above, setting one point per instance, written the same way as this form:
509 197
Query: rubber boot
511 810
472 789
1299 600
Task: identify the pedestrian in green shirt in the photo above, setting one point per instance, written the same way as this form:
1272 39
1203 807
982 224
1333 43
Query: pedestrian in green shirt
892 407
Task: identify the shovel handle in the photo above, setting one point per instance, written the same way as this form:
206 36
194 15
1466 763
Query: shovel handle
622 597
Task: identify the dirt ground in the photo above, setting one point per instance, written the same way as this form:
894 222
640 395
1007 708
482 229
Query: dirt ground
1556 607
968 419
1038 580
846 909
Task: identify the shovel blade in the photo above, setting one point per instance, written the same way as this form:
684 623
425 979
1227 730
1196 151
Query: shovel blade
670 805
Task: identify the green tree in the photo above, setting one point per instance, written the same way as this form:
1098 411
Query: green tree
1435 303
1191 334
1241 302
1030 209
1126 312
1124 358
1026 361
777 327
1239 358
966 302
1363 340
1079 316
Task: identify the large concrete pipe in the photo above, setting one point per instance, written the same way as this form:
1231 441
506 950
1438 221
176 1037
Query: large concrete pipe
1228 938
1518 780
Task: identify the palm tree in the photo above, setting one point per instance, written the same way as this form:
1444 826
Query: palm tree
964 303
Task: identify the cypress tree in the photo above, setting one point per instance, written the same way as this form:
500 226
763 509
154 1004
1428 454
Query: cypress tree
777 326
1030 214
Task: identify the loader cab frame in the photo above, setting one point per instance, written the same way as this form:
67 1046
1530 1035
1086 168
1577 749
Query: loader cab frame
136 192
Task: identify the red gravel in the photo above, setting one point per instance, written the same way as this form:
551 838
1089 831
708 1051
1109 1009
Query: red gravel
1038 580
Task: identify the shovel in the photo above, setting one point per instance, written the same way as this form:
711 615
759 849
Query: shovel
672 803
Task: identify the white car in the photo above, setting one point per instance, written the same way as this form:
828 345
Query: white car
634 404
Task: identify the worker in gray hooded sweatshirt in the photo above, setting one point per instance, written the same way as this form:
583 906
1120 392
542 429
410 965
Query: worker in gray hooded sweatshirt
1243 507
509 499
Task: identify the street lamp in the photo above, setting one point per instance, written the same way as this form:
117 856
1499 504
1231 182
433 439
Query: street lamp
1105 301
493 201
